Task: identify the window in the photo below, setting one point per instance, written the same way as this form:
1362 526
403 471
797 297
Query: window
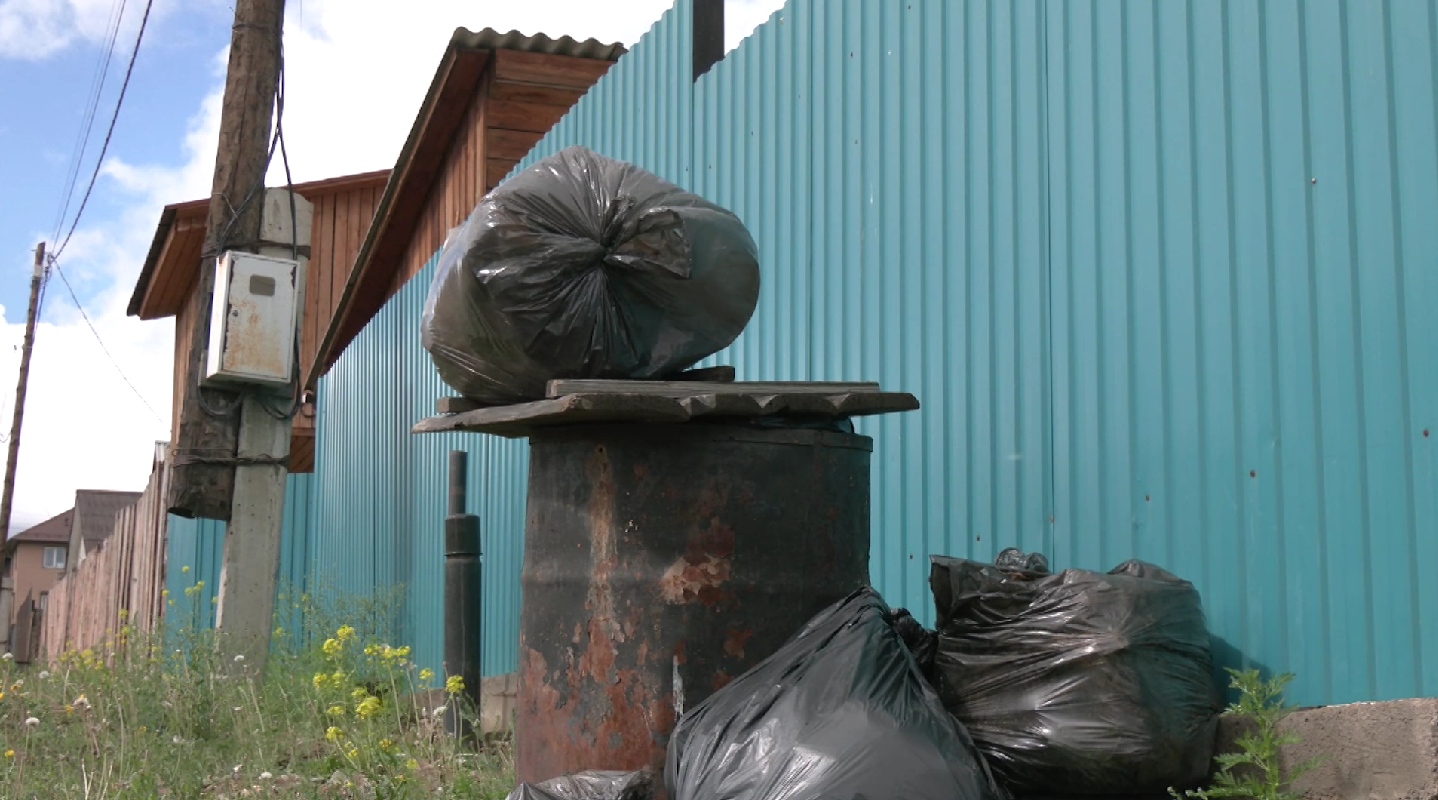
54 558
44 599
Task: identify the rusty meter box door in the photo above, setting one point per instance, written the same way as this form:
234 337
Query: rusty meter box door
252 320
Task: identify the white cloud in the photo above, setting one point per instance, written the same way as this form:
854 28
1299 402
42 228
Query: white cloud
36 29
356 72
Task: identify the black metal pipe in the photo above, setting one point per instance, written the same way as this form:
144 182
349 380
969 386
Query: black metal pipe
463 644
708 35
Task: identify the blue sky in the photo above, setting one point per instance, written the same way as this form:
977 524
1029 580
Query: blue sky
356 64
43 102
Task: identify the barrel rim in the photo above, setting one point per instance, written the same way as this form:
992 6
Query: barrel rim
689 432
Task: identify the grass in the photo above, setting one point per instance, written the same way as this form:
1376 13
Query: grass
340 713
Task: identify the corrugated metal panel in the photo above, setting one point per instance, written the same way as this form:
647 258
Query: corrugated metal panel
1243 205
1155 269
875 150
380 498
640 111
195 550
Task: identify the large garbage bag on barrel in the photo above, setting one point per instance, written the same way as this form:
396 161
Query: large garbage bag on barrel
591 785
840 712
1078 682
586 267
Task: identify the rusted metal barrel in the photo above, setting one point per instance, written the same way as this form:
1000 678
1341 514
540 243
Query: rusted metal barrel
663 561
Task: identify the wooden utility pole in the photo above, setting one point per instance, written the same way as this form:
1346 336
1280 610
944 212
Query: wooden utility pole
12 457
202 481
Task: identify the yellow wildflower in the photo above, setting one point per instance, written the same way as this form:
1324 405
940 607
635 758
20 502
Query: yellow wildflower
371 650
345 633
9 753
352 753
2 695
185 568
426 674
320 679
359 693
334 734
385 744
164 592
331 647
367 707
454 684
411 764
336 711
402 651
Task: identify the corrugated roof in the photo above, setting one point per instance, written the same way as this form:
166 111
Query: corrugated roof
491 39
96 511
54 529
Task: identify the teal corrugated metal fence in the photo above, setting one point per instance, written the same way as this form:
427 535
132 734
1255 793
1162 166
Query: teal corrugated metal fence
195 548
1157 270
380 492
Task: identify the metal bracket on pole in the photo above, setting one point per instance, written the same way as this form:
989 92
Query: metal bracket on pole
462 599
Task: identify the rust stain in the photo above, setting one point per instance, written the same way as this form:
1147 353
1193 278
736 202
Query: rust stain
720 681
687 581
717 540
735 641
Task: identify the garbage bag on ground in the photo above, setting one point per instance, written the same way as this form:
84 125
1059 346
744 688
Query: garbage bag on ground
1078 682
593 785
839 712
586 267
923 644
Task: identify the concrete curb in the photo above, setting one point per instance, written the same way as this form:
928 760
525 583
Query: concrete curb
1370 751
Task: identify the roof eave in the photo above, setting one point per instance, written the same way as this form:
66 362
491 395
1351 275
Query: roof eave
152 259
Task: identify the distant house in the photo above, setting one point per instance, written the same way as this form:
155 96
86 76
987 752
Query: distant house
33 561
93 521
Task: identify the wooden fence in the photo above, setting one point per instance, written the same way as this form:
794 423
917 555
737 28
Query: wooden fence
118 584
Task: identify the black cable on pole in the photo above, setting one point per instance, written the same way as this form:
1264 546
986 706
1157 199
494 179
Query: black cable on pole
100 160
82 141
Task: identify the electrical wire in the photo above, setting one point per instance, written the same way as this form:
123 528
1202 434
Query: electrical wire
100 160
76 300
82 140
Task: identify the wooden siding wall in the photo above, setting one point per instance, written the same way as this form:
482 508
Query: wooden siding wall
125 575
520 98
454 194
341 222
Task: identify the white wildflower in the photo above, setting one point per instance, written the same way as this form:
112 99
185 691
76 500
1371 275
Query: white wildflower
235 708
237 768
31 722
239 658
264 776
44 675
439 712
7 657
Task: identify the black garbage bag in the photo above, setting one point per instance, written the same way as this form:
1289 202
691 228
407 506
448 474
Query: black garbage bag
1078 683
1015 559
586 267
840 712
923 643
593 785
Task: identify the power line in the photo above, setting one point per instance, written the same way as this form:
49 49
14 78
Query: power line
82 140
76 300
100 160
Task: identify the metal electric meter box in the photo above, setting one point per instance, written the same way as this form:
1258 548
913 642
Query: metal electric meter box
252 320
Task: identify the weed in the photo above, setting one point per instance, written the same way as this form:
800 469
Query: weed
339 713
1255 771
